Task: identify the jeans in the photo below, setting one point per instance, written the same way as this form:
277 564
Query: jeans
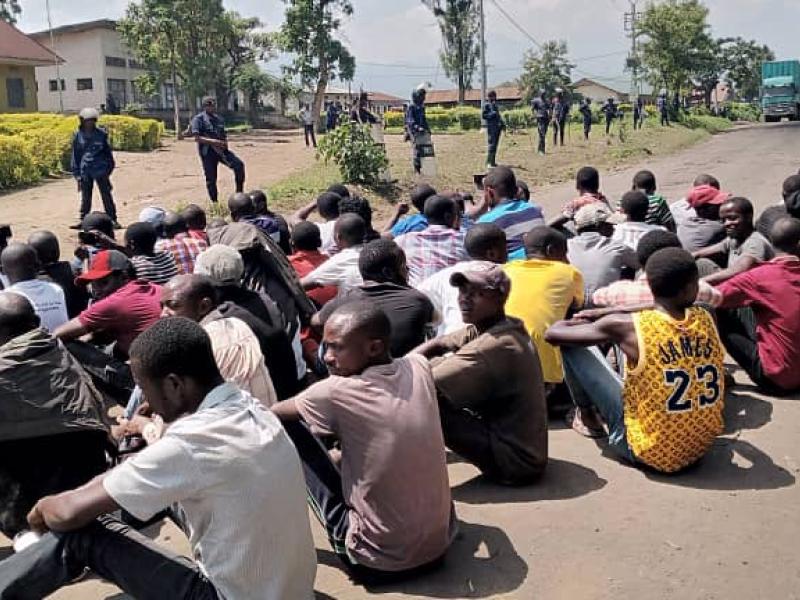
558 131
115 552
308 131
593 383
211 160
609 121
494 141
542 127
104 185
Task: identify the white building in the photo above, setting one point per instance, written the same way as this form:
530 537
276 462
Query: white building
96 64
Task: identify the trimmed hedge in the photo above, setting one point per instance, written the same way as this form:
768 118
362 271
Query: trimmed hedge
36 145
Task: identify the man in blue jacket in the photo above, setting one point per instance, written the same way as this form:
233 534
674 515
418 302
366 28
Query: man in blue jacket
417 124
93 162
494 127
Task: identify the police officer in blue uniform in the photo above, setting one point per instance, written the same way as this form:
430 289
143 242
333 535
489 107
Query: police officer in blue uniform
663 108
541 112
208 129
417 124
93 162
494 127
560 114
610 110
638 113
586 113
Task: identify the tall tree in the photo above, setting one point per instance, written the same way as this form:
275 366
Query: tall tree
309 34
742 59
459 23
545 69
10 10
244 45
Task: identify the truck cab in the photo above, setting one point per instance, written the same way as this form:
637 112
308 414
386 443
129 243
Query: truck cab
780 90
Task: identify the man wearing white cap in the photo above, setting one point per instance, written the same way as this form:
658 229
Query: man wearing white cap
93 162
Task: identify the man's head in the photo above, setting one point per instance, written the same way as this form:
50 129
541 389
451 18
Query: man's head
154 215
546 243
596 217
645 181
209 104
108 272
259 200
442 210
194 217
339 189
16 316
88 117
306 236
499 185
328 205
706 179
20 262
587 180
141 239
420 194
174 365
486 241
482 295
706 201
357 205
189 296
672 277
174 224
383 261
240 206
223 264
492 96
653 241
45 243
635 204
737 217
523 191
349 230
97 221
356 336
791 195
785 236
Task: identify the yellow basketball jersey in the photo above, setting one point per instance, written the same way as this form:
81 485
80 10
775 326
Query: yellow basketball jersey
673 398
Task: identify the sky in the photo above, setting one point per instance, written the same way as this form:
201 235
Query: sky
396 42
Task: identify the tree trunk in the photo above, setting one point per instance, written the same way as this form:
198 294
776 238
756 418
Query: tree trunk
175 106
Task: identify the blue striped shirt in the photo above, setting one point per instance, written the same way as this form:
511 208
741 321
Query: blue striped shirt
515 218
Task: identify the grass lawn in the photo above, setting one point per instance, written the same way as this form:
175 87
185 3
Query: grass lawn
459 156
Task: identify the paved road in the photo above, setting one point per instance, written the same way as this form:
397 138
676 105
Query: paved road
596 529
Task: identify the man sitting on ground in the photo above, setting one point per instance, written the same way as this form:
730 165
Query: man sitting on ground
306 256
439 245
184 248
491 391
360 206
155 266
416 222
486 245
587 183
789 207
668 410
658 212
218 461
634 205
382 265
327 204
744 246
57 271
759 314
342 268
544 288
195 219
21 267
387 509
600 259
261 209
697 215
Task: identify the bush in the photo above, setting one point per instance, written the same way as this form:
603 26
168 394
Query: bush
466 117
742 111
16 162
519 118
351 147
393 118
710 124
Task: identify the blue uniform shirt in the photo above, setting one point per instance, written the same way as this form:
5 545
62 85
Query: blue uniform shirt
91 154
416 120
210 126
493 118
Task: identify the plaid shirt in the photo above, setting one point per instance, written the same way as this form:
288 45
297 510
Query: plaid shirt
637 293
571 207
431 250
184 248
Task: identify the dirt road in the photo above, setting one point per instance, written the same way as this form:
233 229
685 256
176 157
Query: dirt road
596 529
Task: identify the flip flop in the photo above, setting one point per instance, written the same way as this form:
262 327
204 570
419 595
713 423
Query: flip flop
578 426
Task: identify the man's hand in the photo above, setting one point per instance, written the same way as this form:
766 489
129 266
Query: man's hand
402 208
104 241
78 181
36 520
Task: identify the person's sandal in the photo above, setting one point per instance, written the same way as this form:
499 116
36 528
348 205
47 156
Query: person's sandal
578 426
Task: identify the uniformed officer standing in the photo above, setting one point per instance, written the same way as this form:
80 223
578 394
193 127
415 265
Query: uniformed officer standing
586 112
208 129
638 113
494 127
610 111
93 162
417 125
560 114
663 109
541 112
360 112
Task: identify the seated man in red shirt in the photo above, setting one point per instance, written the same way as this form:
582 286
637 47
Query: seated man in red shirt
306 256
124 306
759 316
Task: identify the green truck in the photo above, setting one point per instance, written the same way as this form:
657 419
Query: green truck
780 90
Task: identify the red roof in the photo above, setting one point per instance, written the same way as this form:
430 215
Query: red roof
381 97
506 93
18 48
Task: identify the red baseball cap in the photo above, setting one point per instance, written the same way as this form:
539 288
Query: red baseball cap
103 264
706 194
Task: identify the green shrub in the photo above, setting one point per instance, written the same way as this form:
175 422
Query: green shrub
519 118
393 118
742 111
466 117
17 166
351 147
709 123
439 120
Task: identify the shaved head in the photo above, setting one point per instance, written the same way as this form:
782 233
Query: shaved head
20 262
45 243
16 316
189 296
356 337
173 224
785 235
240 206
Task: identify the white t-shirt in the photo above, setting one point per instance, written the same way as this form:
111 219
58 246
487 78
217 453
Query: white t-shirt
326 234
340 270
445 296
47 299
238 483
630 232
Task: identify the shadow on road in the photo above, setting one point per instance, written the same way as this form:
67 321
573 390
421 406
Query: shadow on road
561 480
745 411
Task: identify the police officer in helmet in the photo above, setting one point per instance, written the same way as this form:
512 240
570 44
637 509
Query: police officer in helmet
208 129
541 112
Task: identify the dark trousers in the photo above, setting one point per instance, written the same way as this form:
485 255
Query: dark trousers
737 328
637 120
542 126
587 127
211 160
558 132
664 118
115 552
326 498
609 121
494 142
308 131
104 185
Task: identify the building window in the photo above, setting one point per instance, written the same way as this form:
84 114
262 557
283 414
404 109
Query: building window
54 85
15 92
135 65
115 61
84 84
117 90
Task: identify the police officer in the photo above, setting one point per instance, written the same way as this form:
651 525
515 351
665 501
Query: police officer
610 111
638 113
494 127
360 112
586 113
663 108
332 117
560 114
541 112
208 129
93 162
417 125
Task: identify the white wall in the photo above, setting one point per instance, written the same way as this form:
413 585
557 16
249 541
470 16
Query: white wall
597 93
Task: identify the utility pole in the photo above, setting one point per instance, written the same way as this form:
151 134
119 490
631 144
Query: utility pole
631 19
483 54
56 61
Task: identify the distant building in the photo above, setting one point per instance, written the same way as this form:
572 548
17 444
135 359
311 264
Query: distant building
19 57
598 92
507 97
379 102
